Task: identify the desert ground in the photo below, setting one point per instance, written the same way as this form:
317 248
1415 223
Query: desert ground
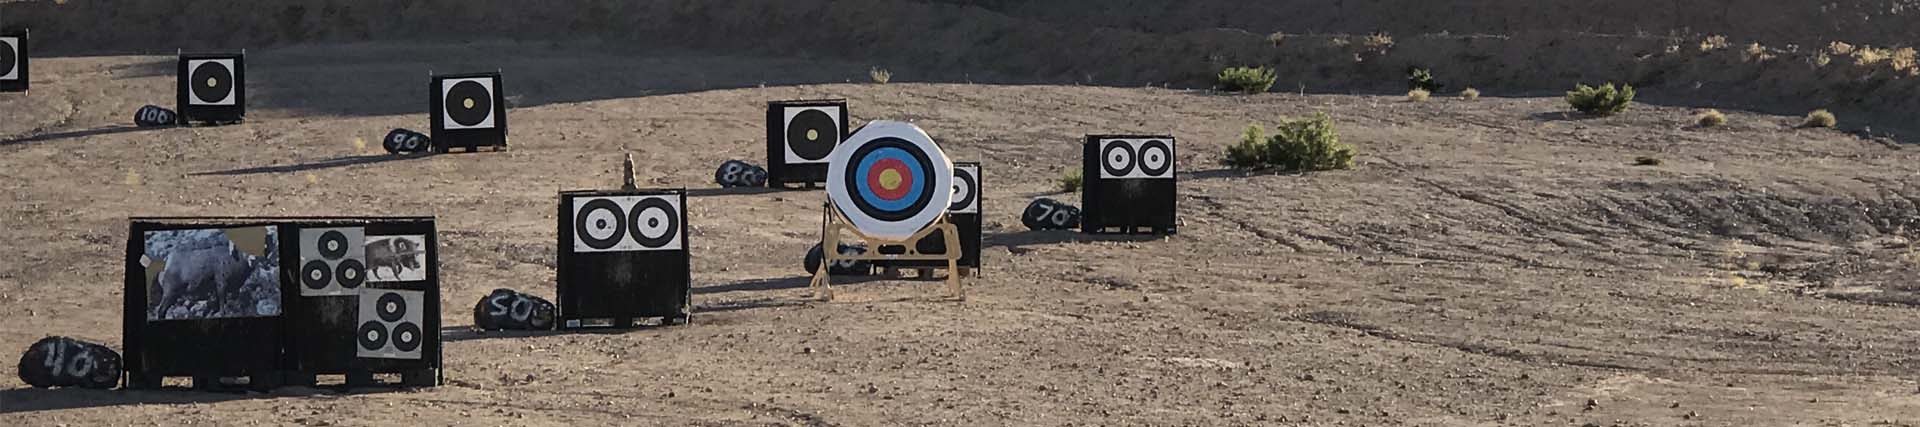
1487 262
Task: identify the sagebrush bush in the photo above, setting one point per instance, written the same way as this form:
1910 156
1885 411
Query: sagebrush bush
1070 180
880 75
1247 79
1605 100
1710 118
1418 95
1820 119
1470 93
1296 145
1421 78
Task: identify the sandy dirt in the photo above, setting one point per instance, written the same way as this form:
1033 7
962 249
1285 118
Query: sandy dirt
1490 262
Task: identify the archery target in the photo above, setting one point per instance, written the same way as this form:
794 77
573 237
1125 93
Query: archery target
390 323
966 189
890 180
332 261
811 133
626 223
10 58
467 103
211 82
1136 158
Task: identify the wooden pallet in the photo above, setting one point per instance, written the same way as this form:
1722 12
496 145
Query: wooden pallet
423 377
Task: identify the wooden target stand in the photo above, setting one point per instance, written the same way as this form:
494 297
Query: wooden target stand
834 223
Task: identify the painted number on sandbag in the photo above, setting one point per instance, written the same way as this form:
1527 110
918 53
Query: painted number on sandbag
520 310
78 367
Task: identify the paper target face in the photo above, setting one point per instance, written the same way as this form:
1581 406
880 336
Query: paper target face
1136 158
211 82
966 189
332 261
812 133
9 58
390 324
626 224
890 180
467 103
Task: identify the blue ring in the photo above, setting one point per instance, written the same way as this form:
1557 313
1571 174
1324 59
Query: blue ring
913 169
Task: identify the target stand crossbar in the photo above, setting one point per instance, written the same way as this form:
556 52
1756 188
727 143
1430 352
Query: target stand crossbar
830 237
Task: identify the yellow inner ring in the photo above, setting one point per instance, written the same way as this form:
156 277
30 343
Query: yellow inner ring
213 81
890 179
468 102
813 135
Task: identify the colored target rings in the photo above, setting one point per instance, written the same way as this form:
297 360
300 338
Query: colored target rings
890 180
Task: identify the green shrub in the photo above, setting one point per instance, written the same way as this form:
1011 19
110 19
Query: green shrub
1070 181
1296 145
1421 78
1247 79
1710 118
1600 101
1820 119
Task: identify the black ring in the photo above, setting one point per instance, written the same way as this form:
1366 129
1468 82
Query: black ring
973 188
827 131
350 281
390 307
372 335
1133 158
222 79
653 203
316 266
404 330
851 180
458 111
1155 145
580 224
338 247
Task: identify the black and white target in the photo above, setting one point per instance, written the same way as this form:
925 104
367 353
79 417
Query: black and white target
890 180
626 224
332 261
1136 158
211 82
10 58
966 189
390 324
811 133
1049 214
67 362
467 103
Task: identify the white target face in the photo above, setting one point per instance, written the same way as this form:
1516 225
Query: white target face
467 103
1136 158
811 133
890 180
391 325
966 189
10 66
332 261
627 223
212 82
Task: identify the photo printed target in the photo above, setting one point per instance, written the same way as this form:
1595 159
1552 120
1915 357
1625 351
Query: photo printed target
10 58
333 261
390 324
890 180
467 103
396 258
211 82
1136 158
966 189
812 133
626 223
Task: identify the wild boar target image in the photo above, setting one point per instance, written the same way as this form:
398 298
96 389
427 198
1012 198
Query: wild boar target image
396 258
212 273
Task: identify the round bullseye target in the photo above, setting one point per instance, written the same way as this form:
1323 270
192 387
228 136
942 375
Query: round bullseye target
9 57
812 134
211 82
351 273
964 190
890 180
1118 159
406 337
599 224
655 223
468 103
391 307
316 274
1156 158
372 335
333 244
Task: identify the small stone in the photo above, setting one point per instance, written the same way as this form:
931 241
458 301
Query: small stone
806 350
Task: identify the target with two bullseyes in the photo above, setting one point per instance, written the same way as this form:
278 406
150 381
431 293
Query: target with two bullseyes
1131 185
623 259
890 180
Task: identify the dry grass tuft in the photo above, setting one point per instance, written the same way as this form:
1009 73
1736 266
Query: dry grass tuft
1418 95
1710 118
1470 93
880 75
1820 119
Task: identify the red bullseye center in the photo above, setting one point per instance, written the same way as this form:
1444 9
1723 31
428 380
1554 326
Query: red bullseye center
889 179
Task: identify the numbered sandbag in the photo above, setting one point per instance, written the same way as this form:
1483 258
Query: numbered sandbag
506 309
846 266
153 116
68 362
735 173
403 141
1049 214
